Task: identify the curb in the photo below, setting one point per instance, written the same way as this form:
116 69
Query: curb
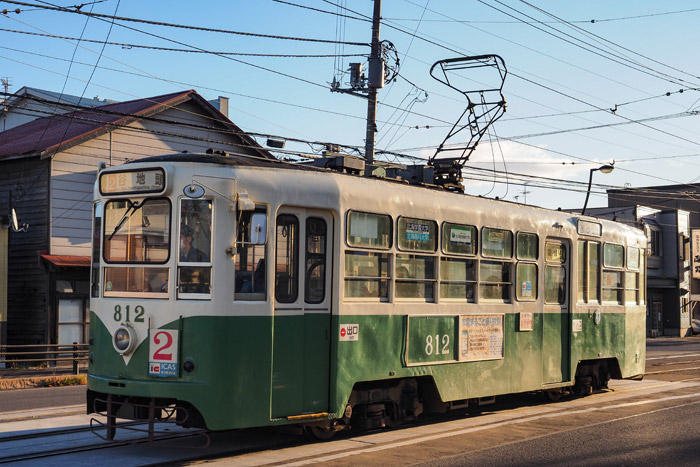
35 382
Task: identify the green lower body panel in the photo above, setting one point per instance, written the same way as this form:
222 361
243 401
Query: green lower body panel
256 371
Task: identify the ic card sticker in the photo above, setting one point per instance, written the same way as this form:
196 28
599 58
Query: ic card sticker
162 352
350 332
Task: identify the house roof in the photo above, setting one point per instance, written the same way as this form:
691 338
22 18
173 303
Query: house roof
65 261
46 136
56 97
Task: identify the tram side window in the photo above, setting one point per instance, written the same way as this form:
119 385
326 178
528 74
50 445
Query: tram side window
417 234
632 277
494 281
526 270
588 267
458 275
287 259
555 273
457 279
250 283
613 257
315 279
495 276
367 230
366 275
459 239
642 278
194 260
415 277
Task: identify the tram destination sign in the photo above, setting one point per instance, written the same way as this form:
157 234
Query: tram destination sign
129 182
592 229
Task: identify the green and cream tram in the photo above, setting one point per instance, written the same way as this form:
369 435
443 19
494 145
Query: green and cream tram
239 292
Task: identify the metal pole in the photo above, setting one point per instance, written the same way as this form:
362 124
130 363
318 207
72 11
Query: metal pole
588 192
375 58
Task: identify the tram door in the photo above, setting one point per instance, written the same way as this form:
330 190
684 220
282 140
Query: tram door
302 315
555 334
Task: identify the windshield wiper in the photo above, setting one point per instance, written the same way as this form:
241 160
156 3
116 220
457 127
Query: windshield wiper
133 207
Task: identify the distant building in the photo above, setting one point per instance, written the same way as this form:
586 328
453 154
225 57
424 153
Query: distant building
669 307
28 104
47 174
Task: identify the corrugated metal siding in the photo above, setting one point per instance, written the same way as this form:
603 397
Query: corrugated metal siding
27 278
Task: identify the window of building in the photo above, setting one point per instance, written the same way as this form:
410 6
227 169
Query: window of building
251 260
367 230
655 242
415 277
315 278
194 259
458 279
287 259
366 275
458 239
417 234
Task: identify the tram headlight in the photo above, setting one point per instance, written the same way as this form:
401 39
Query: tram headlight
124 339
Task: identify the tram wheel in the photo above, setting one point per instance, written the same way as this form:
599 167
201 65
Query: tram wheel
320 433
553 395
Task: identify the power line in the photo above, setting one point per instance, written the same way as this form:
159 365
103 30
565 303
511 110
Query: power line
180 26
614 57
126 45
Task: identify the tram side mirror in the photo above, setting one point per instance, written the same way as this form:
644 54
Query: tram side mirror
258 229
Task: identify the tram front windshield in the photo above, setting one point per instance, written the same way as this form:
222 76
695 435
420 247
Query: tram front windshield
136 232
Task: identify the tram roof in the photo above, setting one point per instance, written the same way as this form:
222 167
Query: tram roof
242 160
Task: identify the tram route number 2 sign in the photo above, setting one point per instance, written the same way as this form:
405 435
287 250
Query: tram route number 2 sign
162 352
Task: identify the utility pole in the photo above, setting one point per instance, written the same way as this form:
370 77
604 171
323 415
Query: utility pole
376 81
525 191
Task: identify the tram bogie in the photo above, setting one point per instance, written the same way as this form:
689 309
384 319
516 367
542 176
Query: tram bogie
232 292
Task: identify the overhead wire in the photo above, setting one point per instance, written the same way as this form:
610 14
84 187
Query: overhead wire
428 117
53 7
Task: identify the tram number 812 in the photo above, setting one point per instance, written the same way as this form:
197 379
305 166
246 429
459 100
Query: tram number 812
433 346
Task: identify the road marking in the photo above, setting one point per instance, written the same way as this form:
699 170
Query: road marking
671 371
675 356
359 450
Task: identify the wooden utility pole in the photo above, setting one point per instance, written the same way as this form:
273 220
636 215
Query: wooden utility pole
375 81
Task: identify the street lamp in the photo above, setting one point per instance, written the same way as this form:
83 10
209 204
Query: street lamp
606 169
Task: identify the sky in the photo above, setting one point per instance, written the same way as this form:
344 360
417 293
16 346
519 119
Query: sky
588 82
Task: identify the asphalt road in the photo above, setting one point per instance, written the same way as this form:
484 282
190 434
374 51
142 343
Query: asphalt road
669 436
37 398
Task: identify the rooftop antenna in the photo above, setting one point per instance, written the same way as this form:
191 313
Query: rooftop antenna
484 107
6 87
